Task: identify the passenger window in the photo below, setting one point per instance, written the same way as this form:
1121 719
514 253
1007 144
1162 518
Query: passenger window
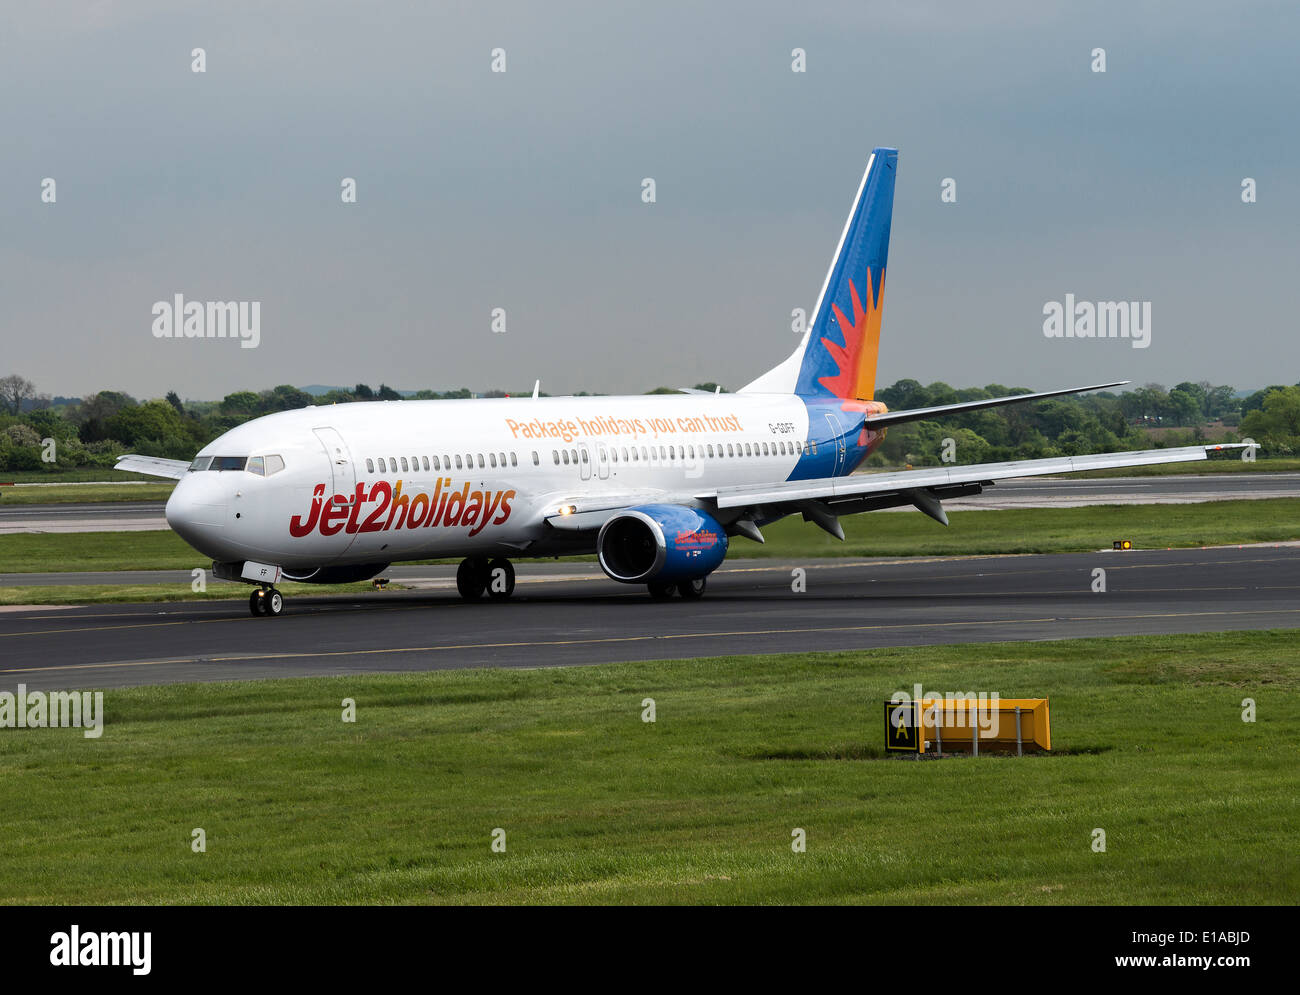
480 461
765 451
731 450
513 461
536 460
503 459
671 453
662 454
458 463
370 465
392 462
436 464
584 456
710 447
257 465
405 468
625 454
555 455
493 458
566 457
814 447
425 460
383 468
446 462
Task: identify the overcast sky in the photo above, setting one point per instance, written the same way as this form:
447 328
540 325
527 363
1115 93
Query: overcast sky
522 190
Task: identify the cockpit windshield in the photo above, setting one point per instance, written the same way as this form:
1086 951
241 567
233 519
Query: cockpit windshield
263 466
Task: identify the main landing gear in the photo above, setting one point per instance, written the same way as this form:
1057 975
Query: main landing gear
266 601
478 575
691 590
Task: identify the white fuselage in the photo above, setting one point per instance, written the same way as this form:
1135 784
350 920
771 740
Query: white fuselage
379 482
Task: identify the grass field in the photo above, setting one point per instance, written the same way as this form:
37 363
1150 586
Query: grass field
1214 465
85 493
698 807
65 476
1035 530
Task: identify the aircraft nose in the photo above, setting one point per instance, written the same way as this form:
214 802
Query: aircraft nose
196 511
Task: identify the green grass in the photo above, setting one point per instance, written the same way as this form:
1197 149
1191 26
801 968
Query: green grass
1210 466
87 594
1034 530
85 494
58 475
54 552
599 807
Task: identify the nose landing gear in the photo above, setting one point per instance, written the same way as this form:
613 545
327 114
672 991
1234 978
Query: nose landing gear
266 601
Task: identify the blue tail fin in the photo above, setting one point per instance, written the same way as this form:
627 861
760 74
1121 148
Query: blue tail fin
837 357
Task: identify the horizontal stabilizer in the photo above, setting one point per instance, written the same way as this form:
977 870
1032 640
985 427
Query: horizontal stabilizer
920 414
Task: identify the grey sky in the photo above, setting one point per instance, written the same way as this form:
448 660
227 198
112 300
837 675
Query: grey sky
522 190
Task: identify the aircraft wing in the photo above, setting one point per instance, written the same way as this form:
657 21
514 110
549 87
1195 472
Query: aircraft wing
154 466
822 501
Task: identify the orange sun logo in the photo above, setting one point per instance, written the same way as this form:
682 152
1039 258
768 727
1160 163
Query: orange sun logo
856 359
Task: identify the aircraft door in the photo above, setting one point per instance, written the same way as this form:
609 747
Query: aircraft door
838 441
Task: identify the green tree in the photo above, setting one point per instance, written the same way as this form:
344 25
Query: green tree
1276 426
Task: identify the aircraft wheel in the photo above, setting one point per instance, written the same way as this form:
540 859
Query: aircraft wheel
661 590
500 579
274 602
692 590
471 579
257 602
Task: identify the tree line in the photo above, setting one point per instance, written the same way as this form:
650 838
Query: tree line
93 431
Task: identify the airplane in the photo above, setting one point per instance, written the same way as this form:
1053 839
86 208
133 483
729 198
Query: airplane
655 486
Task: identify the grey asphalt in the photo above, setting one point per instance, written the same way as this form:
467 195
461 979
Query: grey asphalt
564 615
1030 493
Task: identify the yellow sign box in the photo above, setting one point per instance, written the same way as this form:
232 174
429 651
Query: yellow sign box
969 723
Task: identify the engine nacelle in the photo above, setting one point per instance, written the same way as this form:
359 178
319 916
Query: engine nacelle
660 542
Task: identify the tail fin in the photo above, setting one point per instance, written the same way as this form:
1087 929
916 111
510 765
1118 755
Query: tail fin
837 356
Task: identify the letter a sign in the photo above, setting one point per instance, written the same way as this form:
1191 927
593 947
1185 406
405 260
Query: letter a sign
902 730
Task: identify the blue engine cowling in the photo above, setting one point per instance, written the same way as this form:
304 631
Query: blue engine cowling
660 542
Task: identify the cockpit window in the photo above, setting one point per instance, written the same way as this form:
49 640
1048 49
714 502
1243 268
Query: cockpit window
274 464
228 462
257 465
202 463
